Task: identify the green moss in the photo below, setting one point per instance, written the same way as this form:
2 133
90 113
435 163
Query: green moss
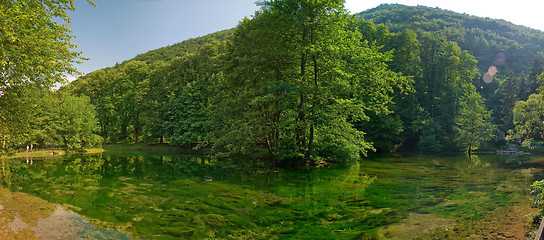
214 220
177 232
167 197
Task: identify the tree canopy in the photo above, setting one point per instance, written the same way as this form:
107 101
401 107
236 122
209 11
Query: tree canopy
36 51
304 81
298 77
35 45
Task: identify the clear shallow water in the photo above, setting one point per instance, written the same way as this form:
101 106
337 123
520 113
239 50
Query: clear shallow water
111 196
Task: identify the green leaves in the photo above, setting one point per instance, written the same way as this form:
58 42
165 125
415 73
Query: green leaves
302 80
473 123
297 78
77 122
35 52
528 119
47 119
33 45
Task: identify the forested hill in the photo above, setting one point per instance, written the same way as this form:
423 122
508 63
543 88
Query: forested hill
513 53
483 38
166 54
397 77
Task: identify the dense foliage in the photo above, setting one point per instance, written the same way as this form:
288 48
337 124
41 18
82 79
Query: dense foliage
509 76
483 38
509 57
35 45
291 93
300 92
529 118
36 52
44 118
299 82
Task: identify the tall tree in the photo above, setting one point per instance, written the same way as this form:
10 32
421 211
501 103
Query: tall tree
473 123
446 78
389 131
35 50
133 100
155 107
77 122
35 45
528 119
297 77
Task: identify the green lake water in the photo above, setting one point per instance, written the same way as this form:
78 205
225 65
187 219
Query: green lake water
110 196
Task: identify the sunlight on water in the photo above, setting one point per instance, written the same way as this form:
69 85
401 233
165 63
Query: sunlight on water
23 216
188 197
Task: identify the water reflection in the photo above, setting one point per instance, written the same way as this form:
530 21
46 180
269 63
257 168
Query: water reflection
173 197
23 216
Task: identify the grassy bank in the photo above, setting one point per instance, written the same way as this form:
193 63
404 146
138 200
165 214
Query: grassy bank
141 148
147 148
50 153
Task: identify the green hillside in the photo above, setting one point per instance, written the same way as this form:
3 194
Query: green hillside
246 90
484 38
514 52
192 45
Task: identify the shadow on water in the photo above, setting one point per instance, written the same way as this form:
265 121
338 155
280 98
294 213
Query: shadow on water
193 197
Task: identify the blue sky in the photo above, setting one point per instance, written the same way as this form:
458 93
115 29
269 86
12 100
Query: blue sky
118 30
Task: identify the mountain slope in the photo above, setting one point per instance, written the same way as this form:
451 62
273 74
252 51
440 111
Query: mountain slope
486 39
157 94
192 45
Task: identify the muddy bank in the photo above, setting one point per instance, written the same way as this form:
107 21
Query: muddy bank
509 222
23 216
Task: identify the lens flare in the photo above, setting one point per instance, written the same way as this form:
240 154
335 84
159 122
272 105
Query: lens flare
492 70
488 78
500 58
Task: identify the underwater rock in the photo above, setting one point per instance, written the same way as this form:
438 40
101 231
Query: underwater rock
414 226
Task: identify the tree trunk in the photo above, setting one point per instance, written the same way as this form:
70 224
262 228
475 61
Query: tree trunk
4 143
3 168
301 114
271 149
310 151
136 133
137 128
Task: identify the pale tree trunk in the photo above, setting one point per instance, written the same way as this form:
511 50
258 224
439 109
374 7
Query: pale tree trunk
3 168
4 143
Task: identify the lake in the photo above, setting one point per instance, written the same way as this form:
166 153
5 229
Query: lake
115 196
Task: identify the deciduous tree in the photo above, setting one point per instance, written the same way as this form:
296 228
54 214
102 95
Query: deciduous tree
473 123
297 78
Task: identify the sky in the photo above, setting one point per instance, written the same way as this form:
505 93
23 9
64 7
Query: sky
117 30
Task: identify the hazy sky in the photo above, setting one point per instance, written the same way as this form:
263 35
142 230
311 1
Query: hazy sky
118 30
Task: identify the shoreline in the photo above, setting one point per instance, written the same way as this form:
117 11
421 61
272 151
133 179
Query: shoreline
47 153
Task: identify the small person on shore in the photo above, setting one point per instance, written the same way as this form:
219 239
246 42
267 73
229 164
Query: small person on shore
26 148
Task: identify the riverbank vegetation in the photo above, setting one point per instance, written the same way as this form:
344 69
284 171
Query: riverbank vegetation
413 88
36 53
298 83
316 91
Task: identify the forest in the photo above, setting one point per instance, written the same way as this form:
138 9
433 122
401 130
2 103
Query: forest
299 82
